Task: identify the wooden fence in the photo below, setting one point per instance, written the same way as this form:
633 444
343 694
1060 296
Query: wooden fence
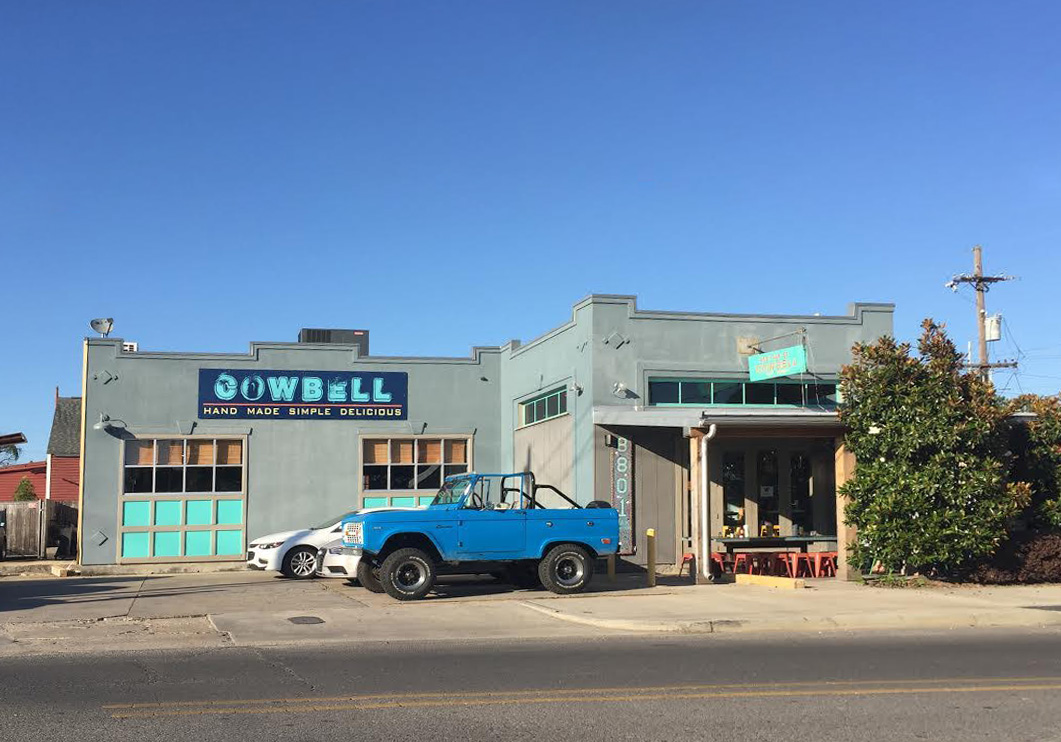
35 525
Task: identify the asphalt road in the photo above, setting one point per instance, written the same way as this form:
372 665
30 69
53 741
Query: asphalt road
945 686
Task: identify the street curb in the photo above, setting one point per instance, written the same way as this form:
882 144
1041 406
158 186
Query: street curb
1017 618
769 581
686 627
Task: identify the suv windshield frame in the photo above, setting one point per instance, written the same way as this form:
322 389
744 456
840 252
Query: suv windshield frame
452 491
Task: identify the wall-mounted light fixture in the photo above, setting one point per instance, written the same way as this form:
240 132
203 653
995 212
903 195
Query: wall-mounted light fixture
106 422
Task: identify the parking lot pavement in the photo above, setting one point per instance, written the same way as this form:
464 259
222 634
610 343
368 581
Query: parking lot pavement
260 609
93 598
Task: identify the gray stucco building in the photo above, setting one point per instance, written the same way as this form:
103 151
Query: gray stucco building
186 455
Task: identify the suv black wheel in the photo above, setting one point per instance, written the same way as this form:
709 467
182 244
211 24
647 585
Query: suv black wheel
300 563
368 577
407 574
566 569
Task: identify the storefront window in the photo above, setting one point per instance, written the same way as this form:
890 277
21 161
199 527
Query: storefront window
701 392
547 406
769 509
412 466
800 481
733 493
663 392
183 499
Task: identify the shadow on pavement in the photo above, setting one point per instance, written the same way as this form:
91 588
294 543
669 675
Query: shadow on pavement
24 595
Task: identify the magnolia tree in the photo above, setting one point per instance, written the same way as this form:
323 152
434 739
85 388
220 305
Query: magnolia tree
1037 445
931 491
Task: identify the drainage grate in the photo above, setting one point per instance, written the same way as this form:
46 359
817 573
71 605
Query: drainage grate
306 619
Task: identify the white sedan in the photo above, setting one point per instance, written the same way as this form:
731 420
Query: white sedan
294 553
332 562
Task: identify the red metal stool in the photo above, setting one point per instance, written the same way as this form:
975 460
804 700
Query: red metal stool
690 559
719 559
825 564
806 565
741 561
761 561
785 564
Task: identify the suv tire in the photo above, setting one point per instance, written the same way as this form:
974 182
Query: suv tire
407 574
368 577
566 569
300 563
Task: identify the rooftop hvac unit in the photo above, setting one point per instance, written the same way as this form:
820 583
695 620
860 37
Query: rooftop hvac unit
130 346
336 337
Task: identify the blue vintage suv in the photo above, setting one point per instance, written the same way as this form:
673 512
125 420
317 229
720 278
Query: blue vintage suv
483 523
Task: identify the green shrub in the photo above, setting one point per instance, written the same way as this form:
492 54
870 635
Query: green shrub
25 490
931 490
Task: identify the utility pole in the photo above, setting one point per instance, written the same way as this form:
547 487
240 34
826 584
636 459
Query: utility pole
981 284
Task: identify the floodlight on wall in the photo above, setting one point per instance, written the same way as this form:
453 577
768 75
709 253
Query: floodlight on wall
102 325
106 422
619 390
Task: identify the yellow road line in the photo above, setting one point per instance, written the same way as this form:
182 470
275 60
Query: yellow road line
530 701
565 691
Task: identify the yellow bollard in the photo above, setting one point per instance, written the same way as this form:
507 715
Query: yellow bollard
650 544
611 567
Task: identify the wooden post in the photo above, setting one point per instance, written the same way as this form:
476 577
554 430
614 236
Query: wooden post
650 545
611 567
845 534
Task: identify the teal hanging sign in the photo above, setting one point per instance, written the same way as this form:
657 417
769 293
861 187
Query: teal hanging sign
781 362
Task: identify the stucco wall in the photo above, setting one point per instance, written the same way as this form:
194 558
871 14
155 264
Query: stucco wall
302 471
299 471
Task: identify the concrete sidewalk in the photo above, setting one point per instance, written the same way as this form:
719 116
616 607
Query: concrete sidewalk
824 605
258 609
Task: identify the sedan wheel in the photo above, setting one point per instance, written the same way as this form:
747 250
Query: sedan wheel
300 563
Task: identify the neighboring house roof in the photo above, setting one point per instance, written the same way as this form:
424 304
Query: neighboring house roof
65 439
26 468
9 439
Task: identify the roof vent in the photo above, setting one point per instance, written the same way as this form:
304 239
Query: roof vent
336 337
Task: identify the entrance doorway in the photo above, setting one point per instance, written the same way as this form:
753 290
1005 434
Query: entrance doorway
772 488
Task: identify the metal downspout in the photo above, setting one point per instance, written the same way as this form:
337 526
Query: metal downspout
705 539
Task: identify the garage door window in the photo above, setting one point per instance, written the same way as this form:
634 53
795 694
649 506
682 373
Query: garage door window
183 499
406 472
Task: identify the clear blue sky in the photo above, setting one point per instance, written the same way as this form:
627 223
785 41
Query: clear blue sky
453 173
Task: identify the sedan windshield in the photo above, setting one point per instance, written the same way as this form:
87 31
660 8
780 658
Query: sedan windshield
332 521
452 491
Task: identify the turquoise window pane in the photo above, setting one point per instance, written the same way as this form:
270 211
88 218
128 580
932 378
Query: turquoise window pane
229 542
425 500
136 514
375 502
200 512
197 543
134 545
168 513
229 512
168 544
403 502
